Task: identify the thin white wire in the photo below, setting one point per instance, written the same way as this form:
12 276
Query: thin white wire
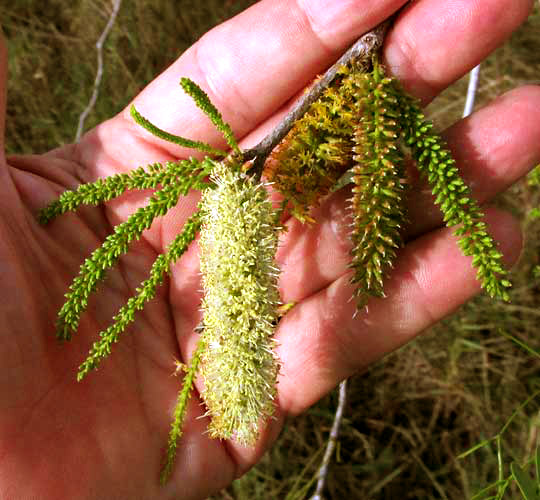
99 73
471 91
334 432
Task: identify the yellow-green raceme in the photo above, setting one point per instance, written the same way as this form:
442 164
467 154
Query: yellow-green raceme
237 248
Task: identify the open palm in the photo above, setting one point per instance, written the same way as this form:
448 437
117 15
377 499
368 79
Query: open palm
104 437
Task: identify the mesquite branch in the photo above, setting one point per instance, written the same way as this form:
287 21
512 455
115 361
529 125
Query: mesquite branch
360 52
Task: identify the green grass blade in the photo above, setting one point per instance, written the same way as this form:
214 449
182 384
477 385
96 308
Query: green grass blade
480 495
537 464
525 483
521 344
517 410
474 448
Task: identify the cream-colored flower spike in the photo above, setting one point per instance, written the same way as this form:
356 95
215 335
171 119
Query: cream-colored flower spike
237 249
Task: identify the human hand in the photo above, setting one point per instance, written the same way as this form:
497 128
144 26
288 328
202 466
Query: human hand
105 436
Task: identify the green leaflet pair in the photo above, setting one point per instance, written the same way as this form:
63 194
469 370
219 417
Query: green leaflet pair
364 123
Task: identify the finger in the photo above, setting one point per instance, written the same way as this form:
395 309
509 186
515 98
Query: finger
494 147
321 342
435 42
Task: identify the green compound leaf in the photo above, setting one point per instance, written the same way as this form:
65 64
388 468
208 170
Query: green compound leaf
94 268
378 202
145 292
205 105
537 465
180 411
175 139
435 162
102 190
